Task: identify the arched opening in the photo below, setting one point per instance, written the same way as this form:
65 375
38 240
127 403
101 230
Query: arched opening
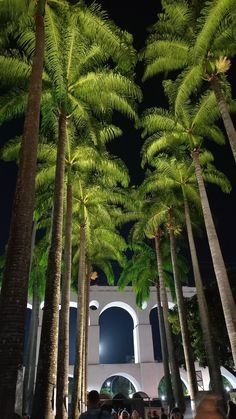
73 318
230 377
116 336
161 390
156 340
117 384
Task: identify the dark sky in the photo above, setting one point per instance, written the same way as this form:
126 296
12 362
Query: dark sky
135 17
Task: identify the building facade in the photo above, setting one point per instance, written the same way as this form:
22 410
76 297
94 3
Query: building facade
143 372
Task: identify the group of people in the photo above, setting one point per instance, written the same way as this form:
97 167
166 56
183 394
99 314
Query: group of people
209 408
135 415
95 411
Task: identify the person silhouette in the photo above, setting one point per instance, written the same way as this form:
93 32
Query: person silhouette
94 410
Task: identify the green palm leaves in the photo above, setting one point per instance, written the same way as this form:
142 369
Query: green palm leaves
199 47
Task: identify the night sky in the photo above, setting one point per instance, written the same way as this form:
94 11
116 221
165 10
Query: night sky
135 17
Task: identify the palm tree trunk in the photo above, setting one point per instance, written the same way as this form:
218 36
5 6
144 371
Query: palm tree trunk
85 342
85 349
177 384
77 384
212 359
164 350
15 278
227 120
188 353
43 406
30 367
64 318
226 296
30 364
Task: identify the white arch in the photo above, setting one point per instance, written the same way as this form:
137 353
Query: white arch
183 377
73 304
125 306
128 377
230 377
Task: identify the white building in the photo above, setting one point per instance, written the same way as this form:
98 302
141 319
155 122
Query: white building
144 373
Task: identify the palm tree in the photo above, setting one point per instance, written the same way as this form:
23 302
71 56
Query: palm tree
149 225
141 271
195 123
198 41
93 207
173 174
164 213
15 279
178 392
106 91
188 352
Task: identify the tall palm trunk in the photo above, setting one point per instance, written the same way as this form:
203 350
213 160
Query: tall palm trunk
212 359
85 349
188 353
226 296
77 387
64 318
164 350
227 120
43 406
30 364
15 278
177 384
30 367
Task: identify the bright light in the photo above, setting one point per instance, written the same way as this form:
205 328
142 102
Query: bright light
163 398
130 396
144 305
227 388
108 383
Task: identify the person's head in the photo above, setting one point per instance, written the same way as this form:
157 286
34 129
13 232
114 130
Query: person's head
114 414
135 414
124 414
93 398
175 413
25 416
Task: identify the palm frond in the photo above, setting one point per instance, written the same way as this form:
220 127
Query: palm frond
212 15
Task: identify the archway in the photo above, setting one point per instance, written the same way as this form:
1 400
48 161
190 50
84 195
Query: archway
116 337
161 389
156 340
229 376
72 333
118 384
